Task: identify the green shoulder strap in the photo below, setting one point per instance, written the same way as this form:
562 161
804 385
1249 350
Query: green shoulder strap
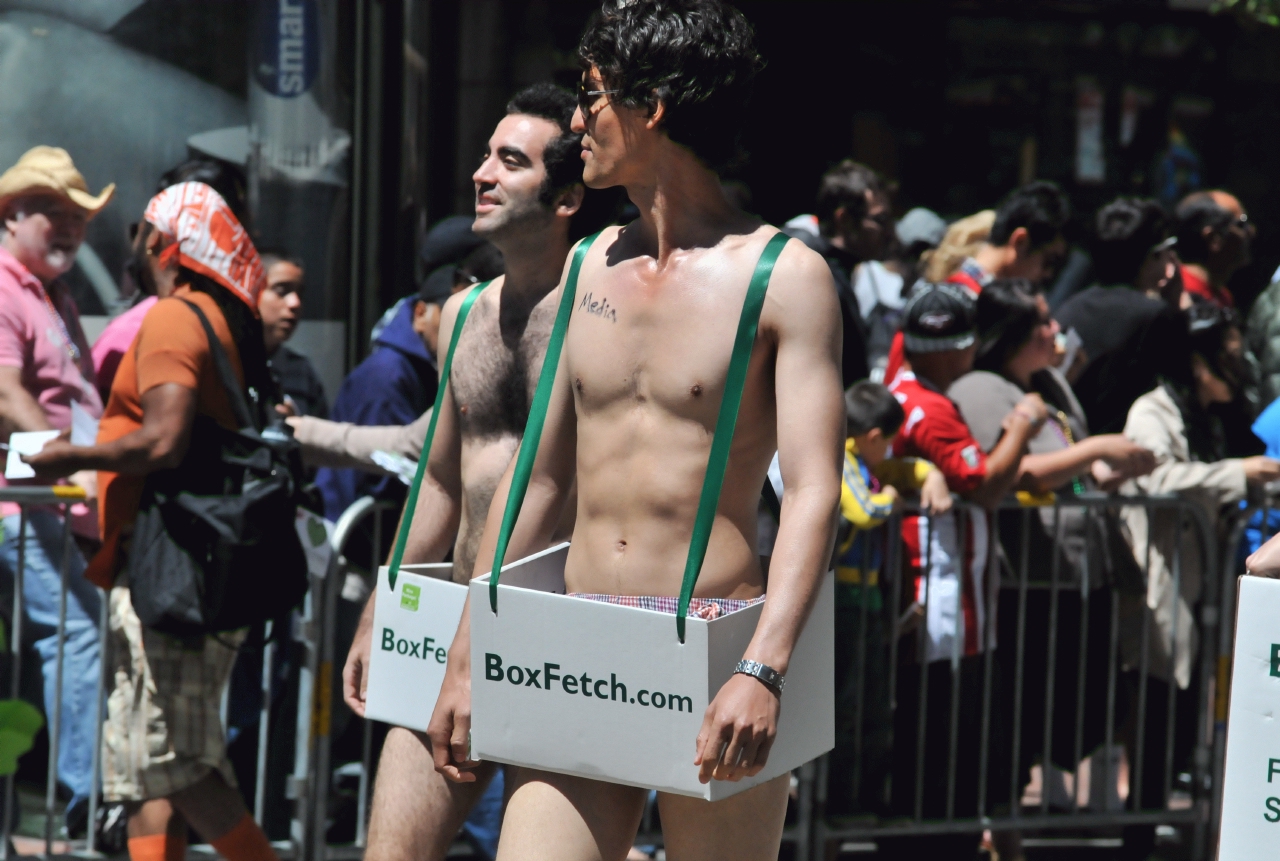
537 417
411 504
726 421
720 443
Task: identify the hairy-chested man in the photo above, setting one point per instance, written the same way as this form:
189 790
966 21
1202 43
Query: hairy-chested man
528 188
631 418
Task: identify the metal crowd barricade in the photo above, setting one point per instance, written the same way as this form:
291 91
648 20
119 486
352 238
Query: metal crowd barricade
1011 814
64 496
810 831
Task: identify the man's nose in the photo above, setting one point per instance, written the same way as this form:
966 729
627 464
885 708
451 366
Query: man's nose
485 174
578 124
293 300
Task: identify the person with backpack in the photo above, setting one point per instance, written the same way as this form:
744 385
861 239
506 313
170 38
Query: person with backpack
163 743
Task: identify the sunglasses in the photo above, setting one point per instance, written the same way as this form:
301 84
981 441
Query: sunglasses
587 98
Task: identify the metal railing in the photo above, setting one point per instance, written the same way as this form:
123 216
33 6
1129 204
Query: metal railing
64 496
1074 607
1012 578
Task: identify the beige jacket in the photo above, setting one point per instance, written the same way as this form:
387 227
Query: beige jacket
1156 423
341 444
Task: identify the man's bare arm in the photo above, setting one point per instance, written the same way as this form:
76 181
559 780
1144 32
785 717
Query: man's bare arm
434 525
801 312
18 410
550 487
168 412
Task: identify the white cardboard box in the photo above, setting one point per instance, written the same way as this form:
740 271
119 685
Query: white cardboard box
1251 784
412 629
626 699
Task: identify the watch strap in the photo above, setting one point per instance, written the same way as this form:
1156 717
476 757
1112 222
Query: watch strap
767 675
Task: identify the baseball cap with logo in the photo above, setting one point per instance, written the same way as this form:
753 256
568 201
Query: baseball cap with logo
939 317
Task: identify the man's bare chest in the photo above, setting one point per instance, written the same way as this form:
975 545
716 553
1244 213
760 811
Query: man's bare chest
495 369
670 349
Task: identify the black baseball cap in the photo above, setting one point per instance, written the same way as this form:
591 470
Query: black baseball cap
939 317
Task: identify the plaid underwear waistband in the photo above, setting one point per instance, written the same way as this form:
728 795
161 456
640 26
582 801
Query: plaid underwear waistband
699 608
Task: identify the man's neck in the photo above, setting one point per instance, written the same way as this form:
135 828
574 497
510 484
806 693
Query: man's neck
993 258
533 263
682 206
6 240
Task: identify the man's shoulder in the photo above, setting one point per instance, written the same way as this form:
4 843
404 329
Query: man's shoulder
173 318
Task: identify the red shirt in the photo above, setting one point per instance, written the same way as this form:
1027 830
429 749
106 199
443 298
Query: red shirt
935 431
970 275
1194 284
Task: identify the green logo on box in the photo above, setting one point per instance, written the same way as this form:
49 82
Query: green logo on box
409 597
1275 659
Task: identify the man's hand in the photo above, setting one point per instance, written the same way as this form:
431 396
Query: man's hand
1125 456
935 496
58 459
895 498
1265 561
1260 470
355 673
737 730
450 727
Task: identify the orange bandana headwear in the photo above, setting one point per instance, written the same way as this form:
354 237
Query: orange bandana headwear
208 238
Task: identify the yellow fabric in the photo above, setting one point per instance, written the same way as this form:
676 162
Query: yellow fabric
858 505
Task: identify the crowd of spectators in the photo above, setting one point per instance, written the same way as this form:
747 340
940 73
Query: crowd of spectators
1142 380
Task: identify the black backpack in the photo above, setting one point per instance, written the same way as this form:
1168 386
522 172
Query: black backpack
214 547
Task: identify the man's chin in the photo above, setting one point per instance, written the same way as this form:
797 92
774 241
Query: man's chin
58 263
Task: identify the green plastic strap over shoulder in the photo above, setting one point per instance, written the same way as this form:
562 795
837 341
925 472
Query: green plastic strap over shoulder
726 421
537 417
411 504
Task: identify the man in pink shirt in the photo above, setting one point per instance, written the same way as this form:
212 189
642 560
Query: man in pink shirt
45 367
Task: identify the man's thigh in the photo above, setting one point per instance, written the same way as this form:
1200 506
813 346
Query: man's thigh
744 827
555 817
416 812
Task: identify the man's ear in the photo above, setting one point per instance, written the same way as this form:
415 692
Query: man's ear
569 201
657 111
1020 241
1212 238
875 435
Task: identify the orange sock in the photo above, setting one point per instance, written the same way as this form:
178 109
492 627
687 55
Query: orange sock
158 847
245 842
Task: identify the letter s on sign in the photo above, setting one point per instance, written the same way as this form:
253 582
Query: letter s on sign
1273 810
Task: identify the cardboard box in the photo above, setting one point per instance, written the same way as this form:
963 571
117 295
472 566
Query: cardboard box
412 629
609 692
1251 783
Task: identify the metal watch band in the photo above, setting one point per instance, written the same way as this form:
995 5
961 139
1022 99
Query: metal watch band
765 673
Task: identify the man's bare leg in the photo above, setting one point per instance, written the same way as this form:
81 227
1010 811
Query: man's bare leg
416 812
554 817
745 827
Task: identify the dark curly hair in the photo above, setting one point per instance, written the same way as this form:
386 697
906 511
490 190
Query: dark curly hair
1039 206
697 57
562 155
1127 228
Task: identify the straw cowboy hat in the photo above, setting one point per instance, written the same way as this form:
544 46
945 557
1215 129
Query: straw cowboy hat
50 168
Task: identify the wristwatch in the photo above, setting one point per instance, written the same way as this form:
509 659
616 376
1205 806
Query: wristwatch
767 675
